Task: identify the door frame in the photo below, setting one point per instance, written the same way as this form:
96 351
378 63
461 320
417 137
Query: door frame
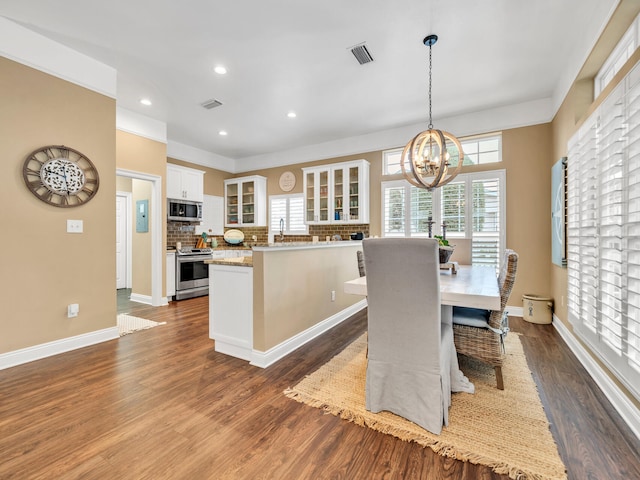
128 235
157 257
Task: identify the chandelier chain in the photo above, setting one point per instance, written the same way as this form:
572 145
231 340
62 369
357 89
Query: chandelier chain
430 119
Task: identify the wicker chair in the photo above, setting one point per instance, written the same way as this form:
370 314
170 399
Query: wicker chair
480 333
361 268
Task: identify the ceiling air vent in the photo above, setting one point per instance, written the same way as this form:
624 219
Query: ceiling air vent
362 54
209 104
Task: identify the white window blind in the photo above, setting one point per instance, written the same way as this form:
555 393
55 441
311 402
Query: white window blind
604 230
290 208
472 206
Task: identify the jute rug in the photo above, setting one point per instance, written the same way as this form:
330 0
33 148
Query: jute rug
506 430
128 324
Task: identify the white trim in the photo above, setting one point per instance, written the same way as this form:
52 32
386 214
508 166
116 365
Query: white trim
233 346
490 120
514 311
138 297
37 51
44 350
187 153
264 359
136 124
128 234
157 253
627 410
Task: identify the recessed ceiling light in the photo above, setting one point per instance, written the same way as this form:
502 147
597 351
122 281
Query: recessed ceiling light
145 101
222 132
291 115
220 70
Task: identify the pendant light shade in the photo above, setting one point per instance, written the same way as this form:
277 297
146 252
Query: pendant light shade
432 158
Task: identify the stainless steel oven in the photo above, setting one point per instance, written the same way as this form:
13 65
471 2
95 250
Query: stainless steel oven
192 274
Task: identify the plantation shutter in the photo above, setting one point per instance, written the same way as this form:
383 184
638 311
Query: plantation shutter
394 211
604 232
421 211
486 212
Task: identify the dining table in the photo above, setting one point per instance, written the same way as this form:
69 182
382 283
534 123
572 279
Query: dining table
471 286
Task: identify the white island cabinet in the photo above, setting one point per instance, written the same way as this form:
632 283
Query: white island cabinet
264 306
231 309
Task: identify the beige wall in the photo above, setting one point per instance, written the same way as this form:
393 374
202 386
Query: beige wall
525 158
141 241
292 290
44 268
139 154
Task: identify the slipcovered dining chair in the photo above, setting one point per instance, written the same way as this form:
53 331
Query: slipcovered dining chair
480 333
409 350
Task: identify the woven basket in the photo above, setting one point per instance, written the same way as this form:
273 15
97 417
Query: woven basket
445 254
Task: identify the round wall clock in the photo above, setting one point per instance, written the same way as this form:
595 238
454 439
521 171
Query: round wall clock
60 176
287 181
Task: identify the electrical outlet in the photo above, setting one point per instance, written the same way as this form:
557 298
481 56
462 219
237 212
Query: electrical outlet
72 310
74 226
333 295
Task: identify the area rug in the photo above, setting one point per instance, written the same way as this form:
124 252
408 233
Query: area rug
128 324
506 430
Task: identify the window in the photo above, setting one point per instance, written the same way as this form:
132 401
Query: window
289 208
472 206
603 232
391 161
619 56
478 150
482 149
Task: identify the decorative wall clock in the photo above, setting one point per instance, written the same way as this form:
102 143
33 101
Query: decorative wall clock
60 176
287 181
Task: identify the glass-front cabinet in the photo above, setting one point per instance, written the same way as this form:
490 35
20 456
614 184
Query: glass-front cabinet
337 193
317 195
245 201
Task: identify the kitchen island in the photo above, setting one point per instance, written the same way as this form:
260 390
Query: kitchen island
263 307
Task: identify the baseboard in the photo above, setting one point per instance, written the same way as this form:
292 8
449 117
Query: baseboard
232 346
37 352
264 359
627 410
137 297
514 311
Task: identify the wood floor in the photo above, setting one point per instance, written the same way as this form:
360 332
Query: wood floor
162 404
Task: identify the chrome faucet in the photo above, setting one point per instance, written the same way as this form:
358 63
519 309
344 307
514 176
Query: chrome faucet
282 229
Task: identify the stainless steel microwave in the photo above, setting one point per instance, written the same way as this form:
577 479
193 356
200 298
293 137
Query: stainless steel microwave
184 211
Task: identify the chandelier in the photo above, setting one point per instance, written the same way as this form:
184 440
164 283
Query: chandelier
428 158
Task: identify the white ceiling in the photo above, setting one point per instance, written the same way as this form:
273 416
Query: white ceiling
294 55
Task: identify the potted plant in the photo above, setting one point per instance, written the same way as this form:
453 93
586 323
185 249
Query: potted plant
445 249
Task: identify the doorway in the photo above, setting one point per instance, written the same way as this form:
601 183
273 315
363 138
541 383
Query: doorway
155 253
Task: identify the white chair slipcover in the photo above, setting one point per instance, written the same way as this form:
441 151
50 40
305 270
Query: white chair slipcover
409 350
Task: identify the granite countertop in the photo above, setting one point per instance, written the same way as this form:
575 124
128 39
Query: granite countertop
234 261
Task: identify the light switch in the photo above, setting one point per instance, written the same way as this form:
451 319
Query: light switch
74 226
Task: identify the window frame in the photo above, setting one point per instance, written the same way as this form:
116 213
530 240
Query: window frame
463 140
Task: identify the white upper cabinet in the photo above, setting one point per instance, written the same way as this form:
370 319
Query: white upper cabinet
245 201
185 183
337 193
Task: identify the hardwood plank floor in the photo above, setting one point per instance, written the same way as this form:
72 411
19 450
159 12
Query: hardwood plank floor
162 404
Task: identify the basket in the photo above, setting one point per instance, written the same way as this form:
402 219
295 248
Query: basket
445 253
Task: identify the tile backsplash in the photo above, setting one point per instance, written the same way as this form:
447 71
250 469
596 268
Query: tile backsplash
185 233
